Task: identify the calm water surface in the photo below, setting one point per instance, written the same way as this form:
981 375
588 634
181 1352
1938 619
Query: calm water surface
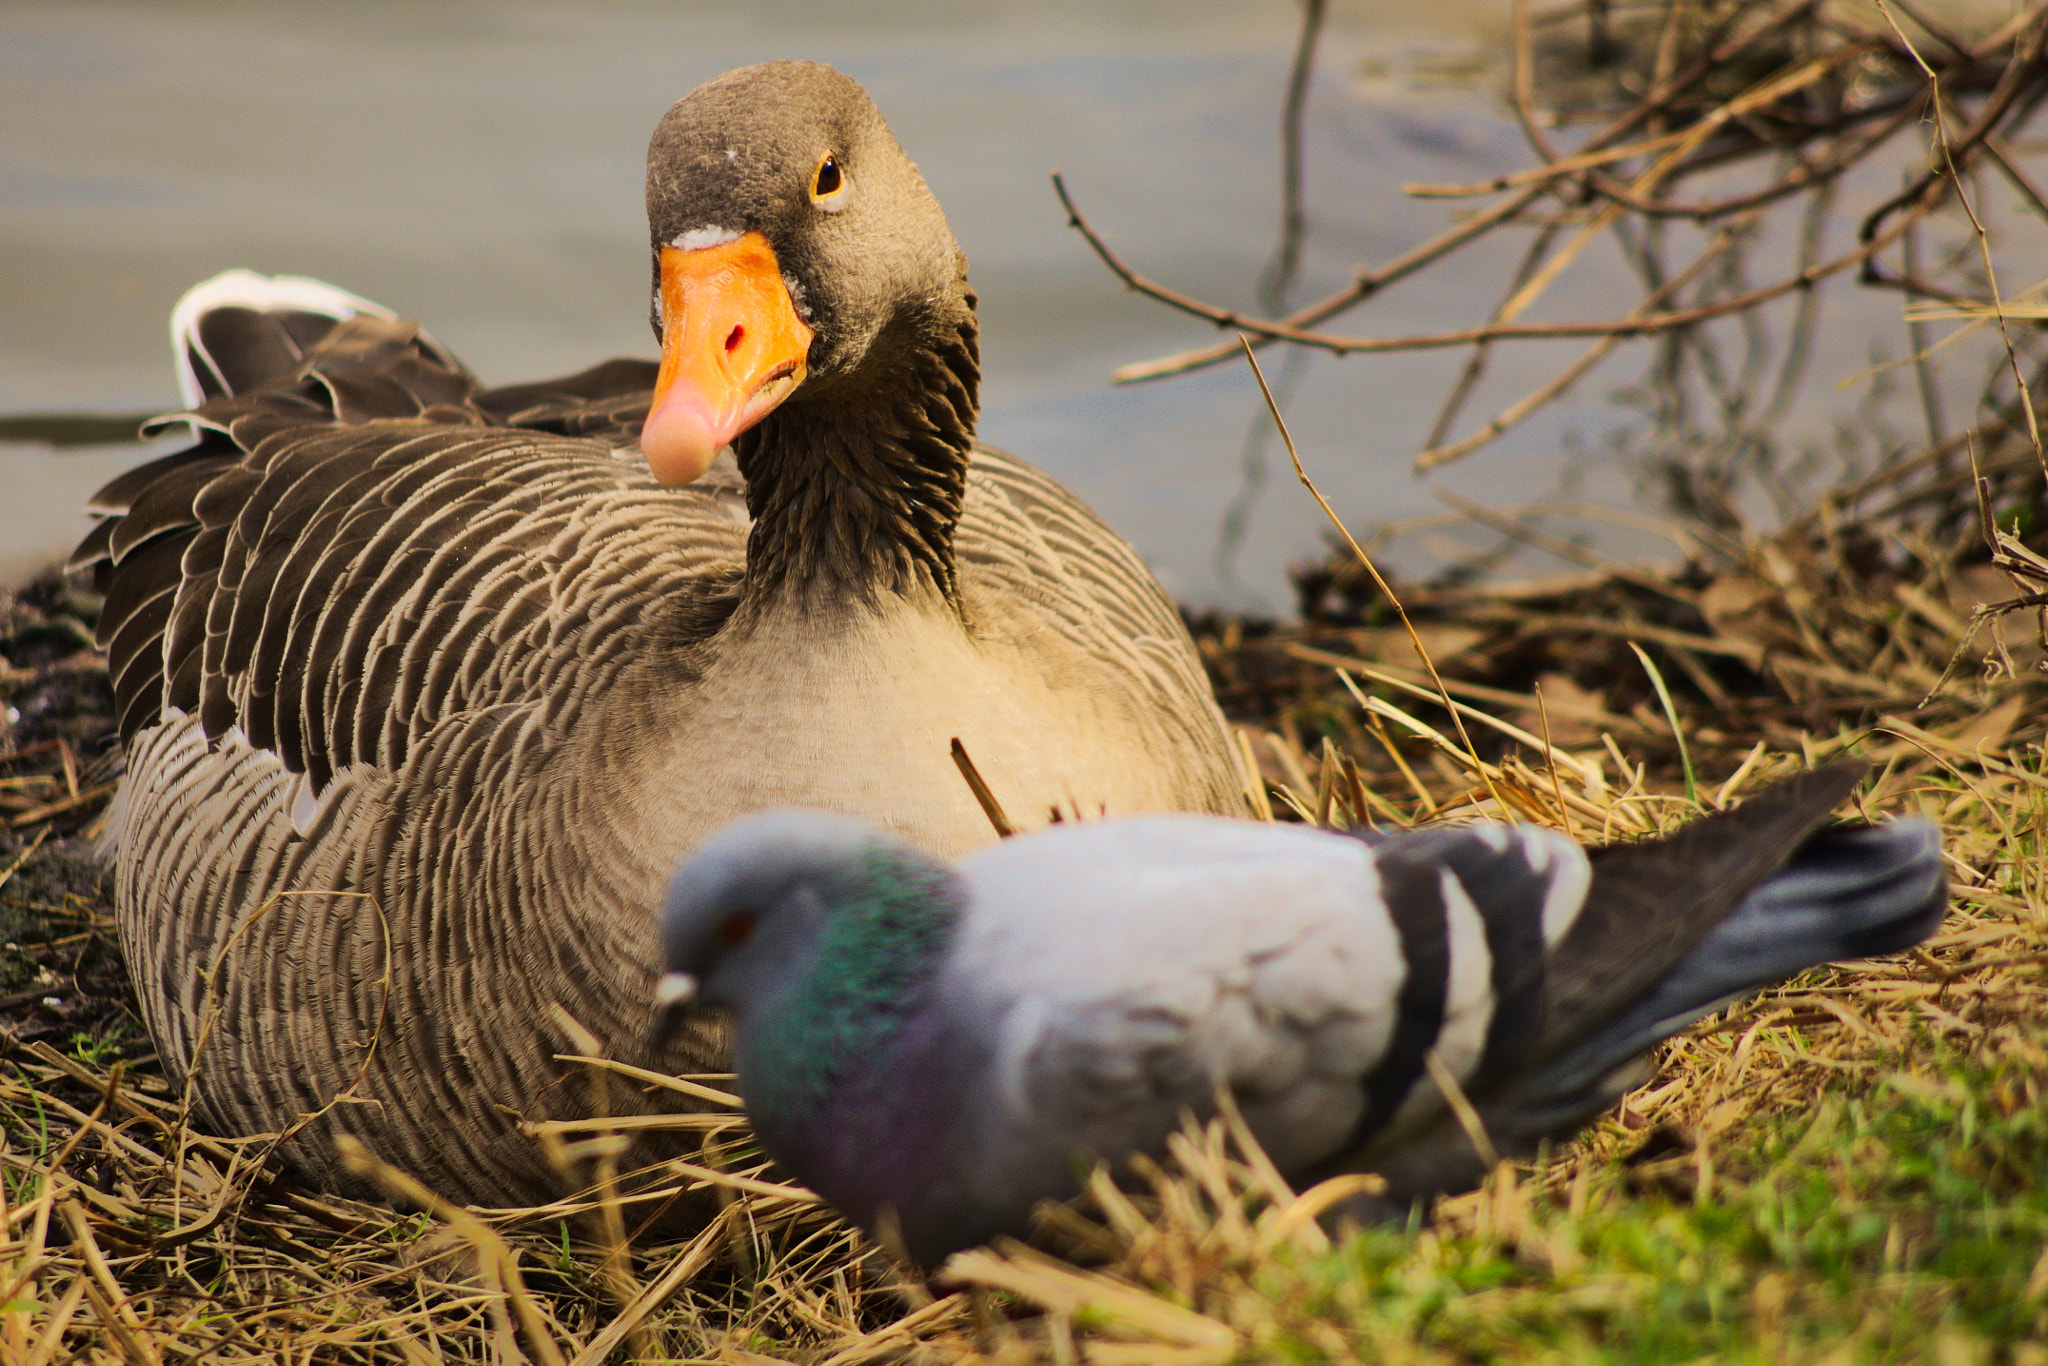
479 167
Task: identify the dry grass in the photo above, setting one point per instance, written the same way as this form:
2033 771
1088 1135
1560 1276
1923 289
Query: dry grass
1850 1164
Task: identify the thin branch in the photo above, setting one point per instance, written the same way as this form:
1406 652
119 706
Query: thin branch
1475 364
1994 108
1690 140
1586 161
1429 341
1440 455
1368 283
1363 286
1937 31
1982 129
1524 100
2002 158
1286 263
1806 176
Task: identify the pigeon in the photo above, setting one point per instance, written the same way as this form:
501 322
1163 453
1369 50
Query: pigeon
937 1048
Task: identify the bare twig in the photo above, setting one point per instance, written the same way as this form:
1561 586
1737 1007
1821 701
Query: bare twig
1280 272
978 785
1421 651
1717 54
1645 325
1570 375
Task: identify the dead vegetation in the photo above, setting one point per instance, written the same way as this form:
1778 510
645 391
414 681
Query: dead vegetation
130 1235
1848 1167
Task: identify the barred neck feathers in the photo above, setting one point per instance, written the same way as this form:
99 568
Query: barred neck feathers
875 957
855 492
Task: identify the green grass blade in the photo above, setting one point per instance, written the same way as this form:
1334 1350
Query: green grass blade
1692 786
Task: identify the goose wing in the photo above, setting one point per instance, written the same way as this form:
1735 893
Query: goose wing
1033 559
360 549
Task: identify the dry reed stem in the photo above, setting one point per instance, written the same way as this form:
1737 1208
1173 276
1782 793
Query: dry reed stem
1186 1260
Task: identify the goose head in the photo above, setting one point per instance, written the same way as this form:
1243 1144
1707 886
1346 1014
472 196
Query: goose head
799 260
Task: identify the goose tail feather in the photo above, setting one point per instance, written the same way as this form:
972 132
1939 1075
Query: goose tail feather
240 330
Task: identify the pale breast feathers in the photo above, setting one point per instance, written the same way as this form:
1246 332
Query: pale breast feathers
1034 558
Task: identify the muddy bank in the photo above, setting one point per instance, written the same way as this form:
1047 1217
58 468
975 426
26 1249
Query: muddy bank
61 978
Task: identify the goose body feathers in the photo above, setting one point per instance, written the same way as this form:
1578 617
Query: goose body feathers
426 686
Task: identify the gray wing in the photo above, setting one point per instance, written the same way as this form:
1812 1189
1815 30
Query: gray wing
1672 929
1309 973
1119 973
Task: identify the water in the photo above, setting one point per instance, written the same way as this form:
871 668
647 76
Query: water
479 167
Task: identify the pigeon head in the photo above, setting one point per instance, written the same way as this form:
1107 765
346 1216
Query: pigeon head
785 896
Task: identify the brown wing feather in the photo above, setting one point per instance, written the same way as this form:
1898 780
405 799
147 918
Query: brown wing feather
607 401
1032 556
335 573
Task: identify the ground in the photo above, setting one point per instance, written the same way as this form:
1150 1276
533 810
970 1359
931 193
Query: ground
1850 1167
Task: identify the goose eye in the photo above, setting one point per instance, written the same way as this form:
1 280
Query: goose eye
827 180
737 929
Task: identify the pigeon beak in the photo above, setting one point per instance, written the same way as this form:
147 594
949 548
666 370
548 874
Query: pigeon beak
672 997
732 348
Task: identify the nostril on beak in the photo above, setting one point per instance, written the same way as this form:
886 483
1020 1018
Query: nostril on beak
734 338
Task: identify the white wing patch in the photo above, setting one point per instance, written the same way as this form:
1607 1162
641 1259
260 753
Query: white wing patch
710 235
262 294
1469 1002
1492 834
1570 878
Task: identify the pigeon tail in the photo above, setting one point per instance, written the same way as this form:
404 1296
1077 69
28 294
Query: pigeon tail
1851 892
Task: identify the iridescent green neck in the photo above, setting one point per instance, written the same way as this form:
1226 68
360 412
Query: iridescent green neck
891 922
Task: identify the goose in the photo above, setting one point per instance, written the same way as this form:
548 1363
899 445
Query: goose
937 1048
426 687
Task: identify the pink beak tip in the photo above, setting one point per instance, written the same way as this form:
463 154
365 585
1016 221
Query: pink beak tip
681 438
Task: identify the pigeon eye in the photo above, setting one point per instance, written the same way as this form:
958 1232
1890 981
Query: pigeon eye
737 929
828 179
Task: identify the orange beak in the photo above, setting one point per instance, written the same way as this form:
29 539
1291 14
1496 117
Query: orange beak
732 348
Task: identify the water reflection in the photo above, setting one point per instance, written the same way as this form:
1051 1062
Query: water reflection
479 167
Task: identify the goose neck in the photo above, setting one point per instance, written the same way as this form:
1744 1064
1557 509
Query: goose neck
856 491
